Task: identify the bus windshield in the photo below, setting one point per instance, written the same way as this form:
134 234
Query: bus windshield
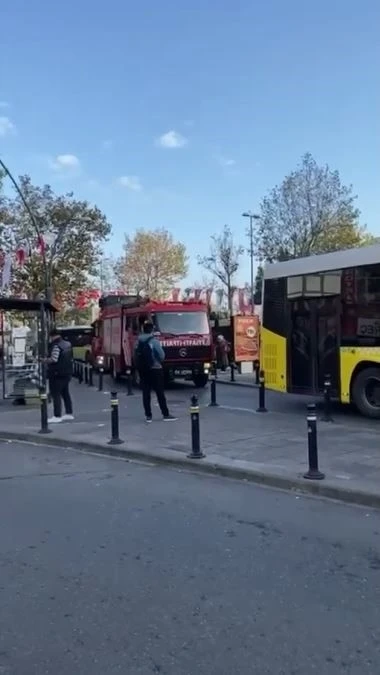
182 323
79 336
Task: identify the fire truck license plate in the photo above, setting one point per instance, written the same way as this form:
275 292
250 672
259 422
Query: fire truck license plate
179 371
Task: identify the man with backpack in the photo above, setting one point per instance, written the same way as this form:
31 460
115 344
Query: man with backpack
149 357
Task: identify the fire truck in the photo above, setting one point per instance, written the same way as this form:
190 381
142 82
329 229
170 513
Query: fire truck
183 329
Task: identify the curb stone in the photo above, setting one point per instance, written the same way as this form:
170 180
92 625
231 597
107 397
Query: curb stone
212 464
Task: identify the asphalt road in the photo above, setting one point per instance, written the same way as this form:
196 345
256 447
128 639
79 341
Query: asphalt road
112 567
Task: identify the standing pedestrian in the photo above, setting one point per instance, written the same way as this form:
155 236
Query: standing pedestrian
60 369
149 357
224 350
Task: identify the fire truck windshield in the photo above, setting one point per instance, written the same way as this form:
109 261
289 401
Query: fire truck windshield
182 323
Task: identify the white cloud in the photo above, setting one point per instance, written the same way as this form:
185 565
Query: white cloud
107 144
172 139
6 126
131 183
226 162
65 162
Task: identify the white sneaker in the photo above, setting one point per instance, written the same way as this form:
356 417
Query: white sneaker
68 418
54 420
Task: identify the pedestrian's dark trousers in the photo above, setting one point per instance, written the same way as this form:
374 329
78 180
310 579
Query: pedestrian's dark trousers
59 389
153 379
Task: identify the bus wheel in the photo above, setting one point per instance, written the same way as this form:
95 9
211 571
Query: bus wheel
366 392
200 380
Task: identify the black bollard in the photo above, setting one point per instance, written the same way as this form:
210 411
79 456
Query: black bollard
232 373
129 382
196 452
257 372
313 473
90 375
100 381
213 403
115 438
85 367
80 373
44 412
326 417
261 408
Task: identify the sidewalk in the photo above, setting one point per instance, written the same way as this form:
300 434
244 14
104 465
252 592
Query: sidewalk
270 449
239 380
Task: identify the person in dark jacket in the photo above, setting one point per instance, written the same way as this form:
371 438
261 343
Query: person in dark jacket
151 371
60 368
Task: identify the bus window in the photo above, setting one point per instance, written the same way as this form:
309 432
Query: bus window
80 338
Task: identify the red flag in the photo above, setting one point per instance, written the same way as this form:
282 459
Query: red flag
21 256
41 244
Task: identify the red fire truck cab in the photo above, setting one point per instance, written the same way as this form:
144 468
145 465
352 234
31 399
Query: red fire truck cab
183 329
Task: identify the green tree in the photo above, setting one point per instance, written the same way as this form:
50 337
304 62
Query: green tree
152 263
64 242
310 212
223 261
74 316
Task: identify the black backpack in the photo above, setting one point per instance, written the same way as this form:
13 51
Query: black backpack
144 355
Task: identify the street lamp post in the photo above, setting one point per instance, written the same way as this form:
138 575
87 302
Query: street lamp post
252 217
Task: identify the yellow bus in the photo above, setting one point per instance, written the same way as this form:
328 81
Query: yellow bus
321 316
80 338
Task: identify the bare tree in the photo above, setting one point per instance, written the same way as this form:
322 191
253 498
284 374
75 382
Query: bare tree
223 261
310 212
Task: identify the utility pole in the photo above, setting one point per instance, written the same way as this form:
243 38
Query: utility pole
252 217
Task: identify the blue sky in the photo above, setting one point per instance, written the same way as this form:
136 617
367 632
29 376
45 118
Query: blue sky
183 115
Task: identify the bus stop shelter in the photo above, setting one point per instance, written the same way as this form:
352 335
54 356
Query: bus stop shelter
24 326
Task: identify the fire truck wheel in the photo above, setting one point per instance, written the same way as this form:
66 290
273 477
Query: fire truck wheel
200 380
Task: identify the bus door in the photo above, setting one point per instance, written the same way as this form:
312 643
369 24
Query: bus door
314 344
301 347
327 312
